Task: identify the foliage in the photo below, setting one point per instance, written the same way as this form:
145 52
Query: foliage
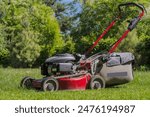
143 50
131 41
30 28
65 12
4 53
69 46
143 47
96 17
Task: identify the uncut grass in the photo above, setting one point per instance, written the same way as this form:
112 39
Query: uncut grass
138 89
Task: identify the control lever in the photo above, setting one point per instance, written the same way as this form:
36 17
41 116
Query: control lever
105 58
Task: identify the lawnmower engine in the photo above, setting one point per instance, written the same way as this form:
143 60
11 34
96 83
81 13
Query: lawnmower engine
60 64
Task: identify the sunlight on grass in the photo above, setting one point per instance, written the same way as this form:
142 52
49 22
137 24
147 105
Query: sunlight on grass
10 89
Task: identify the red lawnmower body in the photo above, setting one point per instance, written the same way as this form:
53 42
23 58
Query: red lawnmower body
83 78
78 82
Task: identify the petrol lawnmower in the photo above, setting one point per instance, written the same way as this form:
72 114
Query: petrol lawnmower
62 72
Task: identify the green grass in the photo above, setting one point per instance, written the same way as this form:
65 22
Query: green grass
10 79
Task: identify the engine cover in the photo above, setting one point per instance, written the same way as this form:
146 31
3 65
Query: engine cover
61 58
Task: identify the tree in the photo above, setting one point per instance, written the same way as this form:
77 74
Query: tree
4 53
143 51
31 30
65 12
143 47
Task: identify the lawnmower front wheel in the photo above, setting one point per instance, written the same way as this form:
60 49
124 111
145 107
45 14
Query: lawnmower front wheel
50 84
97 82
26 82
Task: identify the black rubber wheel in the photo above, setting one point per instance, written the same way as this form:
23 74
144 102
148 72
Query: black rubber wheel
97 82
50 85
26 82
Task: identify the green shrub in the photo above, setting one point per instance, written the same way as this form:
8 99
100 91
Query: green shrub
29 29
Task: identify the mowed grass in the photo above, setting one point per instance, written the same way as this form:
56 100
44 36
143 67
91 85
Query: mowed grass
138 89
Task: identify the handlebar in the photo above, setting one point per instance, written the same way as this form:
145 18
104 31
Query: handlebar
135 20
132 25
132 4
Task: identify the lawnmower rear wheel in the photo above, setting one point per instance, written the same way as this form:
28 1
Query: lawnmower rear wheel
26 82
97 82
50 84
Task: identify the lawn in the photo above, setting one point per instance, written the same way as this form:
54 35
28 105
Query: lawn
138 89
